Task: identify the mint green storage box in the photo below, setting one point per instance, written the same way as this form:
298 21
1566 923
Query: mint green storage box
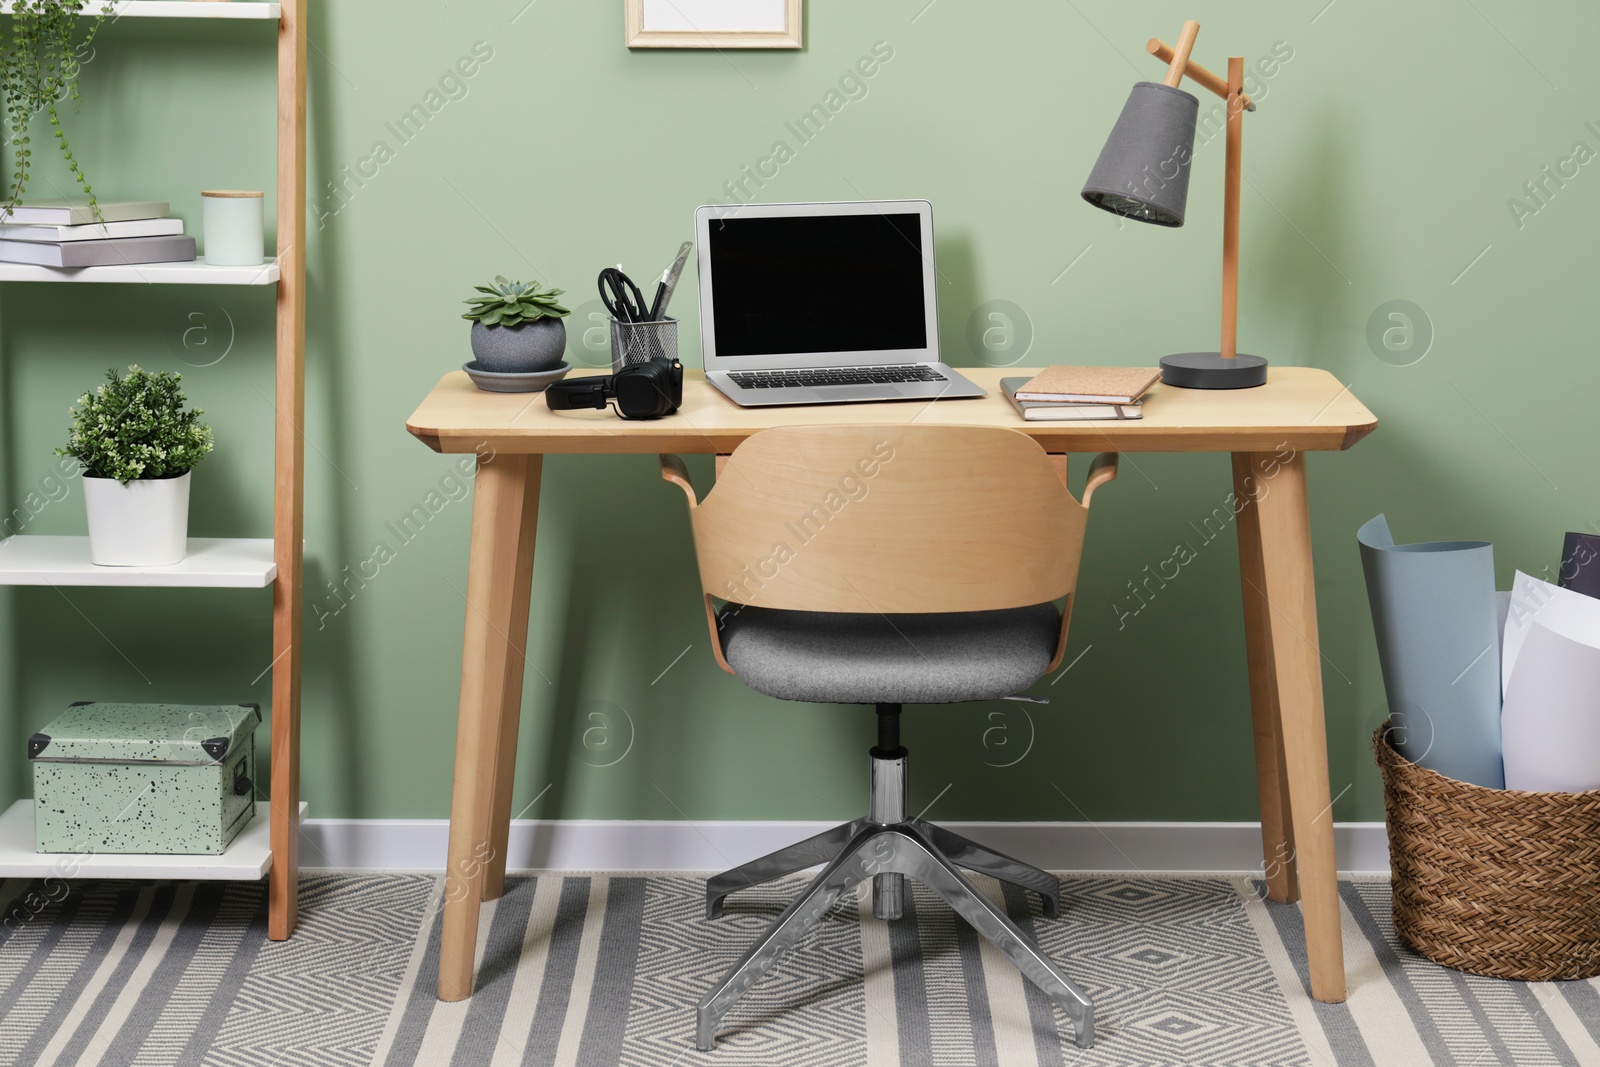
170 779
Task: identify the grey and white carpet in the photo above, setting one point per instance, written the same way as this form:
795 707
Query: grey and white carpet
582 971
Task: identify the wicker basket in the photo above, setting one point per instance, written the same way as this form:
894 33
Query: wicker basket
1497 882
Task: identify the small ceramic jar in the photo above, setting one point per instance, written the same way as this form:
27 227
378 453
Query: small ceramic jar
231 225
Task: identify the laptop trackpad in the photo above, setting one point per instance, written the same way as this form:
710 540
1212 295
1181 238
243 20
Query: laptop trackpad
876 391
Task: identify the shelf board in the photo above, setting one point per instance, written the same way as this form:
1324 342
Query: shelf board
247 859
198 272
177 9
212 563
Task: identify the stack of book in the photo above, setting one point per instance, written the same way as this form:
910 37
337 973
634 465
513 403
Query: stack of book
66 233
1070 394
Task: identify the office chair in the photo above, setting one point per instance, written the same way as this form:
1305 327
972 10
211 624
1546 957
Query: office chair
888 565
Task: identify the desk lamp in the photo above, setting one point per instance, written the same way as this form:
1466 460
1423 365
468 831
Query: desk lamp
1143 174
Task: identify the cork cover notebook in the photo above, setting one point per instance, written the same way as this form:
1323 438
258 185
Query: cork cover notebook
1092 385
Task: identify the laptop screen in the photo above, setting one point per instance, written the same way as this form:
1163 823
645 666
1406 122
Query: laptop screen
818 284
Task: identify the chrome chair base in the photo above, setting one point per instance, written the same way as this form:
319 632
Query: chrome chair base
889 850
825 846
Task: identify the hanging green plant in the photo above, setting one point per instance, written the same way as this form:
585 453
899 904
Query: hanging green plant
39 67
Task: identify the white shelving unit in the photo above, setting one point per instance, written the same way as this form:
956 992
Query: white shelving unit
176 9
198 272
249 856
212 563
268 846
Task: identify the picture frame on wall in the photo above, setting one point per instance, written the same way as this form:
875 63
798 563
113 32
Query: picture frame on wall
714 23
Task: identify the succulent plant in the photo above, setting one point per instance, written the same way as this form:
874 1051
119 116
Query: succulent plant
513 303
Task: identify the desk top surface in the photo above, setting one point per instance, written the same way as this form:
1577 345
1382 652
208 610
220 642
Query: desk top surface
1302 407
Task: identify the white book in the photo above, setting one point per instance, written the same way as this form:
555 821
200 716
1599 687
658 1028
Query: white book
75 211
91 231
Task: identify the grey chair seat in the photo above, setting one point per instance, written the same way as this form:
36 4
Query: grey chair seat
840 658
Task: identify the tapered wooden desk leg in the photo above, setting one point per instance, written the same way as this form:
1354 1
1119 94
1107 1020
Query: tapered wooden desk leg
505 763
1282 522
1277 829
505 512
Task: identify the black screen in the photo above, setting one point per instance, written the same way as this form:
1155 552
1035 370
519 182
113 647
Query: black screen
830 283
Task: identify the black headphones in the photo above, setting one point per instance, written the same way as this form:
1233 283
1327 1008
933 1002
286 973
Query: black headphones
646 390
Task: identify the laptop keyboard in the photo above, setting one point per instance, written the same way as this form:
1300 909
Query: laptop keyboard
823 376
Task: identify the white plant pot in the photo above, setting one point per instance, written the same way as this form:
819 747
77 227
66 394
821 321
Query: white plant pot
142 524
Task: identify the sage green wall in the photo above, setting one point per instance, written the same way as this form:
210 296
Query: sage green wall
1379 168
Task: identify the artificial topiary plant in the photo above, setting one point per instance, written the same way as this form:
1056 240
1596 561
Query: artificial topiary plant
39 67
136 427
513 303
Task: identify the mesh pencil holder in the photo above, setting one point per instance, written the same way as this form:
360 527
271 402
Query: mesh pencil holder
1498 882
640 342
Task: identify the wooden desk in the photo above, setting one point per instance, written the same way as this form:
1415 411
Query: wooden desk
1268 431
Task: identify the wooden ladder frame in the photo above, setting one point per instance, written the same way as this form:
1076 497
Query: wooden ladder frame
288 512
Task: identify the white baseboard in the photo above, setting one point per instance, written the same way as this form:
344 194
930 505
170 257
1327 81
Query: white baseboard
601 845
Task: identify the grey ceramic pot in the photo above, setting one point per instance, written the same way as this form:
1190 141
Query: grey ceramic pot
520 349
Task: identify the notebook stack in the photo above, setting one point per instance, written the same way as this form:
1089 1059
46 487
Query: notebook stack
1072 394
66 233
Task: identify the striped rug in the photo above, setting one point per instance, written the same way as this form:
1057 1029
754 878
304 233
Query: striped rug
602 970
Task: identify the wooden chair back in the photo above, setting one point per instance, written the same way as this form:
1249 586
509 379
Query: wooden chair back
889 519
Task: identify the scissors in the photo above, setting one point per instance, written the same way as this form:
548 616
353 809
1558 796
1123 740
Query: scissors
621 297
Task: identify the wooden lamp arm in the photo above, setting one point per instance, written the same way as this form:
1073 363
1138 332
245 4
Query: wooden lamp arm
1102 470
1206 80
1178 62
673 470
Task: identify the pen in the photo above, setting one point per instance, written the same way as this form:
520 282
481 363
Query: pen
669 282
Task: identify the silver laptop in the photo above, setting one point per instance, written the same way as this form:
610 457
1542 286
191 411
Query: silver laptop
821 303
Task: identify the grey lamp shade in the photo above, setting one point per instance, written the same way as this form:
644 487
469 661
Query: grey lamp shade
1143 171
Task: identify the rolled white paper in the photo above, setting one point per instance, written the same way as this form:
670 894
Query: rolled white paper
1550 725
1572 615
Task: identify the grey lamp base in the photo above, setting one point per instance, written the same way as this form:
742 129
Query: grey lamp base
1208 370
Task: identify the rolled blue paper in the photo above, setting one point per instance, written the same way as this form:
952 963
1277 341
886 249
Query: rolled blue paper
1434 611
